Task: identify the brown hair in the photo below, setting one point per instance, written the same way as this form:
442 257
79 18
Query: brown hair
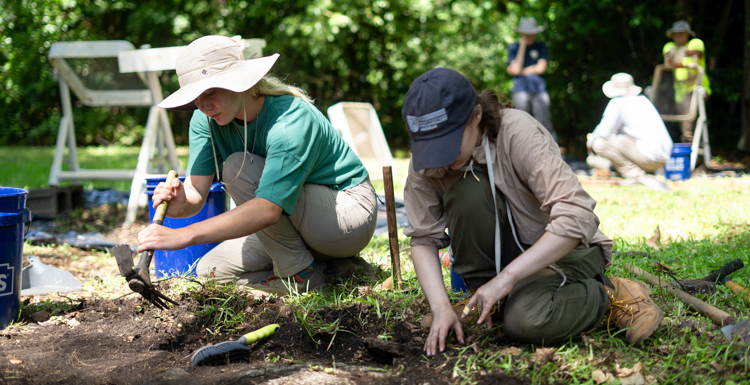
492 114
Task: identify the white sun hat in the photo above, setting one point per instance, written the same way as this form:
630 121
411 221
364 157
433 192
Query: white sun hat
214 62
621 84
528 25
680 26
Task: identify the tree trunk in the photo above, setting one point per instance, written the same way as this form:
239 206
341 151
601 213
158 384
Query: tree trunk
717 41
745 105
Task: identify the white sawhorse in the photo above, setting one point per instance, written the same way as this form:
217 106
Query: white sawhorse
158 133
697 109
157 126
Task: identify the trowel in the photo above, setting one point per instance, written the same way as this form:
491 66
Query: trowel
38 278
138 277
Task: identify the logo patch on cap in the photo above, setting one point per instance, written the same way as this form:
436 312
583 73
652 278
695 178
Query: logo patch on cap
427 122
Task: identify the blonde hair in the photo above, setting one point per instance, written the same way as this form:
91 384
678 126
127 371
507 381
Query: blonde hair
273 86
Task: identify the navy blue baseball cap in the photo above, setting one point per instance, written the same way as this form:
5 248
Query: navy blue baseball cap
435 110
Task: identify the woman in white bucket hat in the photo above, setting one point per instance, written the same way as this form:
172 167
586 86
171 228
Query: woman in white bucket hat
631 137
302 194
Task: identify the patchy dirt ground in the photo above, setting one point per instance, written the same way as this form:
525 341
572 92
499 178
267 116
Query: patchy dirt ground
97 338
90 338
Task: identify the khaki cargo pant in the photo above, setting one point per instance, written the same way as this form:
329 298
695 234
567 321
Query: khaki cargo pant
325 224
537 310
622 152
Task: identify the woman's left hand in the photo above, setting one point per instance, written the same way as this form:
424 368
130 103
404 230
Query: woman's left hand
158 237
488 295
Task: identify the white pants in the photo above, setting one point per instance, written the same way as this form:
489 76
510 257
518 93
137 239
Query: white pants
325 224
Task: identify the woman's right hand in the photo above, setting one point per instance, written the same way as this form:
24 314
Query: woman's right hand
443 322
174 194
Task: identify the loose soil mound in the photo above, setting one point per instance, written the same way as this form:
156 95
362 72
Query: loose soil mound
124 341
95 340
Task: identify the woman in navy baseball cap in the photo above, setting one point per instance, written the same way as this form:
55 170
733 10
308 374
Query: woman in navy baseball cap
522 230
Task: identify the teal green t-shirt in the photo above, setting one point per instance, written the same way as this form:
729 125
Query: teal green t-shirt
298 142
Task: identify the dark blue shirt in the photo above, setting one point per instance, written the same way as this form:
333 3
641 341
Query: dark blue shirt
534 53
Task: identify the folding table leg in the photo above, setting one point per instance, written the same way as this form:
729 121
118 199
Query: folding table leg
704 126
174 162
700 136
63 133
137 188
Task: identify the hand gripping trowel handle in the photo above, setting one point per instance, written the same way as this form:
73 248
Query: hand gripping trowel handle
144 263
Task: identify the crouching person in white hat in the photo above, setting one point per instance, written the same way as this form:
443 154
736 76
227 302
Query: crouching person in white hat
522 229
301 192
631 137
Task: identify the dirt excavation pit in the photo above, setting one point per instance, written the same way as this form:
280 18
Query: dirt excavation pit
89 338
124 341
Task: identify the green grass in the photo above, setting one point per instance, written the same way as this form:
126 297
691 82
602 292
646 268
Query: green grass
29 167
704 223
699 208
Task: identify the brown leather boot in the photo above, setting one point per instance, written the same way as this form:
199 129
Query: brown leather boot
631 307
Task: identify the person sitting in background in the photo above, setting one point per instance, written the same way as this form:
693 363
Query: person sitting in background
527 62
680 53
631 136
523 231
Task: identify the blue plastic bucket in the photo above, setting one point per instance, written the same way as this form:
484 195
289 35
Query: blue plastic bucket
457 283
178 262
678 165
13 216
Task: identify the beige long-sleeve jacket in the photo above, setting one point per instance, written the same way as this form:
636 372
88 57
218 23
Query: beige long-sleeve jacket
543 192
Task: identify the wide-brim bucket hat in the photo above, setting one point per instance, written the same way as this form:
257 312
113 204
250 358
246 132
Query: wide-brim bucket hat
680 26
214 62
528 25
621 84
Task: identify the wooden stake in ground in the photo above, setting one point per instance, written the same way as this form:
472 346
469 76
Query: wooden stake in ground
719 317
390 209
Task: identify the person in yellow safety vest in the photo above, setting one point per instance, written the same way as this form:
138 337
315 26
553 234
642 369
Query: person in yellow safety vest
680 53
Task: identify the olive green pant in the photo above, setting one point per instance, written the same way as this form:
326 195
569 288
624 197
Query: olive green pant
538 310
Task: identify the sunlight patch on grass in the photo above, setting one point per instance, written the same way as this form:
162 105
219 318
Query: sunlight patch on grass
700 208
31 165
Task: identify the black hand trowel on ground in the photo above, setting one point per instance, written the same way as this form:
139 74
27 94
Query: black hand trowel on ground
138 277
229 350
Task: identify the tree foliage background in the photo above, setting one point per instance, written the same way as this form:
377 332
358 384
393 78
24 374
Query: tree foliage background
370 51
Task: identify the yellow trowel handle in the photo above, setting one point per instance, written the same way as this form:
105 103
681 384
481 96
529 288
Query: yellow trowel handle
737 289
259 334
161 210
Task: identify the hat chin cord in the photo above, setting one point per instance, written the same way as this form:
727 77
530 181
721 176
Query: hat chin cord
244 144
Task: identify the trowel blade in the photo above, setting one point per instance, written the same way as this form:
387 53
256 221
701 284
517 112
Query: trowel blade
124 257
38 278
